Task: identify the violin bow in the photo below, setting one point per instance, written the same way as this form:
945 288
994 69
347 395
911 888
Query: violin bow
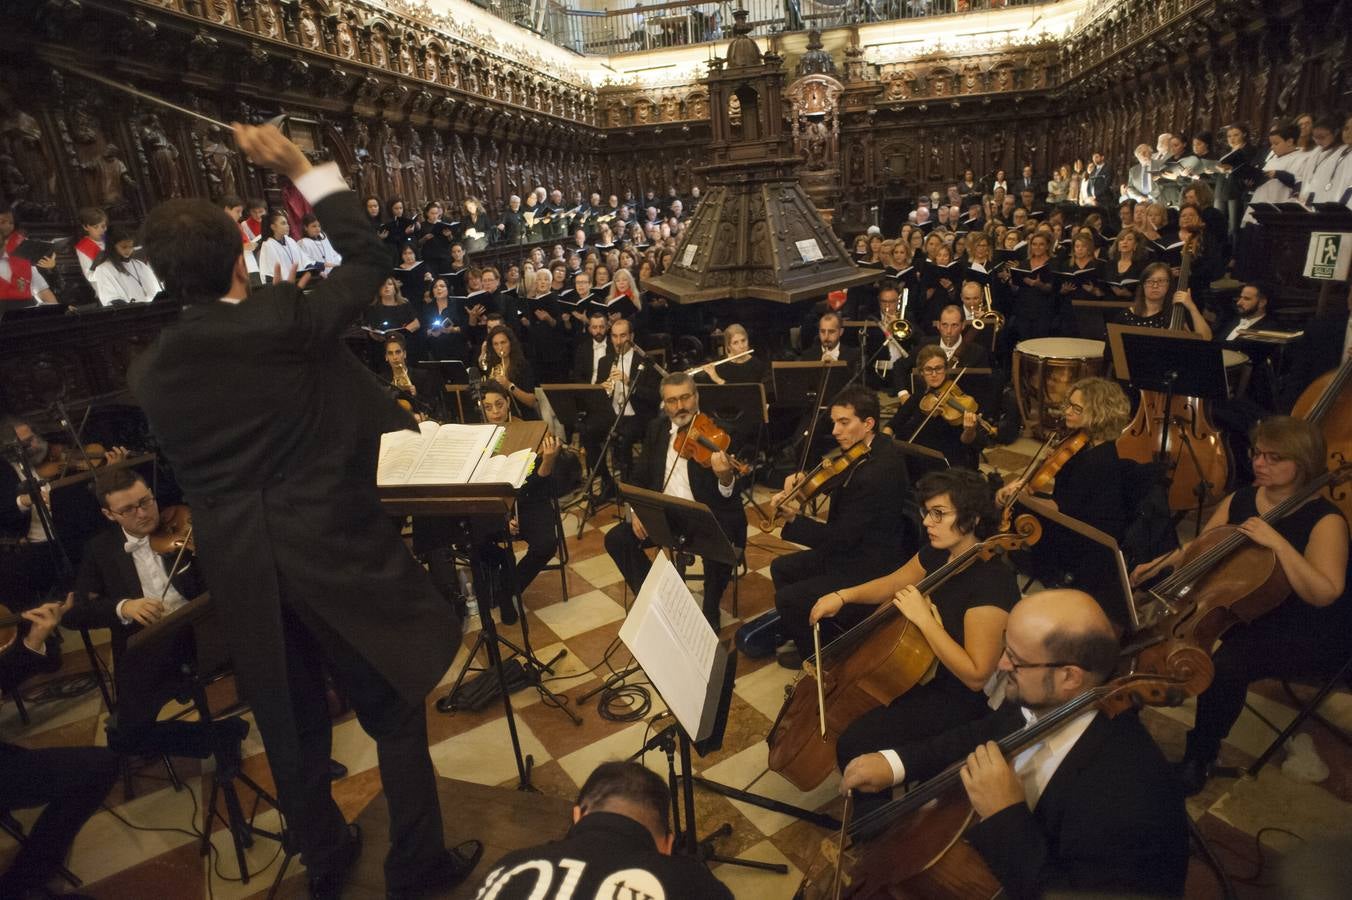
1023 478
943 398
178 558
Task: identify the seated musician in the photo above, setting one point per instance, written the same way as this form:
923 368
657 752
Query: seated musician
828 346
960 344
865 532
1310 633
618 846
1089 486
421 392
70 782
1153 308
751 369
1250 311
124 585
1091 809
960 444
621 371
534 521
963 620
660 467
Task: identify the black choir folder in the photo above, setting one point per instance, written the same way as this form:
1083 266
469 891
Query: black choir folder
450 454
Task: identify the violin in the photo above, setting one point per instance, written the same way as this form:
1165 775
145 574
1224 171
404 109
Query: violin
701 439
62 460
825 477
953 404
878 659
1044 470
174 533
912 847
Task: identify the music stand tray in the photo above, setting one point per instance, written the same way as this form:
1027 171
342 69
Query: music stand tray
796 383
450 371
678 525
920 460
730 403
1173 362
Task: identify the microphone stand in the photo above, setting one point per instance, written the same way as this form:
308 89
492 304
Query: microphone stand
592 505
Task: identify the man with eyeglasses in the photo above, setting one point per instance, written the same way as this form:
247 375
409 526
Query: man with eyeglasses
1092 806
660 467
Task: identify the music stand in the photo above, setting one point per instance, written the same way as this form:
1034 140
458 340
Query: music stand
918 459
801 383
1097 563
575 404
1171 362
168 651
451 371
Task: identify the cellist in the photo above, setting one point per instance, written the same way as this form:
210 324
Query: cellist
1310 633
1090 808
963 620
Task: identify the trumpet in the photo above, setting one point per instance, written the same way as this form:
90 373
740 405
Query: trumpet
498 371
401 379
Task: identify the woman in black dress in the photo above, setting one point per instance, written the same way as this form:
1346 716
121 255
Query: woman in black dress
443 324
506 364
963 620
1126 261
1310 633
960 444
1153 307
747 370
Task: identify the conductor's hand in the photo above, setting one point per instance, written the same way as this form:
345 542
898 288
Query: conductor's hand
266 146
145 610
825 608
639 531
870 772
44 620
991 784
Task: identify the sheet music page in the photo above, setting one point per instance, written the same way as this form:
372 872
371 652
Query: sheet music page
400 452
669 636
510 469
453 453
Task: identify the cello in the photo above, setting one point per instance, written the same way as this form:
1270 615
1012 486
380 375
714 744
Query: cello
912 848
1327 403
874 662
1198 459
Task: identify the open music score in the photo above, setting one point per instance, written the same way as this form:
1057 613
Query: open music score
470 497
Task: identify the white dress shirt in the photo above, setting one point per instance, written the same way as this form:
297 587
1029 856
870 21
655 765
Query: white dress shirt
599 350
1242 325
620 391
36 533
150 570
833 354
1035 764
950 352
678 483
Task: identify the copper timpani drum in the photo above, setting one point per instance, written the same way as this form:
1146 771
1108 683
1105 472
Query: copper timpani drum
1238 368
1044 370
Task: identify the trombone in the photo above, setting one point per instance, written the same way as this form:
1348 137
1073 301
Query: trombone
987 314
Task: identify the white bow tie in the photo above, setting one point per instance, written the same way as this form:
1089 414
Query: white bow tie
132 545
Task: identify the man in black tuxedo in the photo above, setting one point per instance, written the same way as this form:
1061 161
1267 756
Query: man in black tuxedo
589 353
1099 182
625 372
69 782
1093 807
828 346
866 533
960 351
274 429
1028 182
1249 311
1326 343
661 468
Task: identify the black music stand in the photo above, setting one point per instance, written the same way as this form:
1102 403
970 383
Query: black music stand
172 651
575 404
919 460
1171 362
809 383
450 371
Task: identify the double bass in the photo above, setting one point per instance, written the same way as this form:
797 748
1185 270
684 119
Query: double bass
1199 461
913 847
868 666
1327 404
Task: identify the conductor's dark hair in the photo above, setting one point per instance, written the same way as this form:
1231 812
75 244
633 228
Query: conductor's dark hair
863 401
114 481
630 782
1094 651
973 499
192 245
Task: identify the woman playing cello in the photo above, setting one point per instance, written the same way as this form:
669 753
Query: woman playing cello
1310 633
963 621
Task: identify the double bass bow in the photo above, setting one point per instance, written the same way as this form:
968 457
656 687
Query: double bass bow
868 666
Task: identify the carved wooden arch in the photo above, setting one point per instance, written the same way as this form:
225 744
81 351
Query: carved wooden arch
379 31
436 57
315 12
941 81
645 110
617 112
697 104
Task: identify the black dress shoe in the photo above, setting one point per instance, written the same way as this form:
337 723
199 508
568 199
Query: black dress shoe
789 659
445 874
336 770
1193 775
327 884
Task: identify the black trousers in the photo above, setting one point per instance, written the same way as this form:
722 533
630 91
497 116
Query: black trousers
801 579
536 525
28 572
400 732
628 432
1286 643
72 782
627 550
925 711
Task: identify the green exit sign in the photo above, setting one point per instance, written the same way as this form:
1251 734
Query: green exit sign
1328 255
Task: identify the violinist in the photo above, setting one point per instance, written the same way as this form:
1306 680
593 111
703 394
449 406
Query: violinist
28 563
963 621
1092 808
660 467
1310 633
865 532
959 442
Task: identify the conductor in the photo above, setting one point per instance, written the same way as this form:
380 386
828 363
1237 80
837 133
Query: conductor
273 429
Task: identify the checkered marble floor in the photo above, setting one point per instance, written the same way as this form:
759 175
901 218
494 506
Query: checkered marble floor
117 861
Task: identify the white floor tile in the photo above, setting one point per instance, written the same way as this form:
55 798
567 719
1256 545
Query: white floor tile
756 883
581 614
747 771
484 755
599 570
105 846
764 688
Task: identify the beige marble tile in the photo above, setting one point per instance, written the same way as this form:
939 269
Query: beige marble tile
599 570
748 771
1274 801
262 859
620 745
104 845
758 884
483 755
581 613
764 688
570 671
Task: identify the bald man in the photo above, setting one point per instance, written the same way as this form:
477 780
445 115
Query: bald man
1093 806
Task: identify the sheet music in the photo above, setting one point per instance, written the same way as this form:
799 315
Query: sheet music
673 642
436 454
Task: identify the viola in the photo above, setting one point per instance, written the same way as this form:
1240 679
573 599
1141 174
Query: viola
825 477
1045 474
953 404
701 439
174 533
1327 403
913 848
878 659
62 460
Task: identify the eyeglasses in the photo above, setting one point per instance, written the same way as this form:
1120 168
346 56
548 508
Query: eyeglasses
937 514
1267 456
677 400
1016 665
933 370
143 505
1075 408
1157 281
